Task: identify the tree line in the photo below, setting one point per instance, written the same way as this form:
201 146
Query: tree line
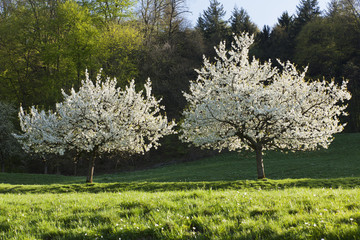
46 46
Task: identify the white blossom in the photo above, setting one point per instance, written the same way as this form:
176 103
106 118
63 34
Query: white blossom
41 132
107 118
239 104
98 118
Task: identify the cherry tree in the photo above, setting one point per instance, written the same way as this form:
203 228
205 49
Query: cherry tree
41 132
240 104
98 118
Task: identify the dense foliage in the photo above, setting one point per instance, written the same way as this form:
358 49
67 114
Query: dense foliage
98 118
46 45
240 104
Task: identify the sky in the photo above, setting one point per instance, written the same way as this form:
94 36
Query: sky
261 12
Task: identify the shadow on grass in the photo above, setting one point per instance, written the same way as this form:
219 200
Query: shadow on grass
344 183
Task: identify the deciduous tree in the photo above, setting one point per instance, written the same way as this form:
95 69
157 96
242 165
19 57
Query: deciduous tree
239 104
98 118
9 147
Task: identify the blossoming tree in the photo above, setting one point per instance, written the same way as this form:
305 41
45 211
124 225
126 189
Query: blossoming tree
41 132
98 118
239 104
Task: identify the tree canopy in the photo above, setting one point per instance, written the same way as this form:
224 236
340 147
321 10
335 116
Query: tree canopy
237 103
45 46
98 118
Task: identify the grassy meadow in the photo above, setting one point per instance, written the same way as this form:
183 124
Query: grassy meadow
311 195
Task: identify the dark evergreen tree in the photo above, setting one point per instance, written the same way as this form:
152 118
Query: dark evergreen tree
307 11
240 22
212 26
282 43
285 20
333 8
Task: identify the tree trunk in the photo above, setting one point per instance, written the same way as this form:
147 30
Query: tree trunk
89 178
45 167
3 166
76 160
2 158
58 169
75 168
259 162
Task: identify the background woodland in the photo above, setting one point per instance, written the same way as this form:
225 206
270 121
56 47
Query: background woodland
46 45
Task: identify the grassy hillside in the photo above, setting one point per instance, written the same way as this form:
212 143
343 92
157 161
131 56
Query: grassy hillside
312 195
341 160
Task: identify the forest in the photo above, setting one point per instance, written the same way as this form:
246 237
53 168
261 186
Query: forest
46 46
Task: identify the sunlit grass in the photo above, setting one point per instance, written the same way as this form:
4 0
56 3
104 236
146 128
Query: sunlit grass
202 214
344 183
312 195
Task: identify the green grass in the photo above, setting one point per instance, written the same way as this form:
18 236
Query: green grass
312 195
341 160
342 183
198 214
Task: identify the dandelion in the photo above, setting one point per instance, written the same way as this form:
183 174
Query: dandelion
314 224
351 219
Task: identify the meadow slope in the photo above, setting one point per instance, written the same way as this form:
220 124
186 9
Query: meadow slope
312 195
